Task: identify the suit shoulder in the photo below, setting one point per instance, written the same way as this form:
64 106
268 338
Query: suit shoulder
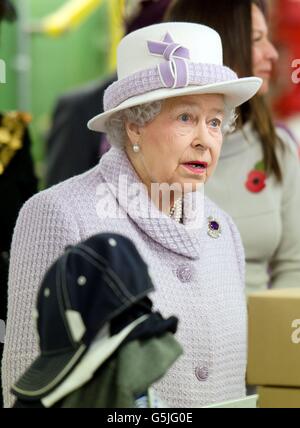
80 184
85 94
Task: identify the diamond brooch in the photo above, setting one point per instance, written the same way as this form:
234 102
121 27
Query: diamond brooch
214 228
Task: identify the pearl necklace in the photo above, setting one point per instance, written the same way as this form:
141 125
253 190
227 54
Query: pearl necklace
176 211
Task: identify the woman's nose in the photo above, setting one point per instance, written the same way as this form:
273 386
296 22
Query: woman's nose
272 52
200 144
201 139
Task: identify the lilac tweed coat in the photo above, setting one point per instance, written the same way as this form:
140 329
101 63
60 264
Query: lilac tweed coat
197 278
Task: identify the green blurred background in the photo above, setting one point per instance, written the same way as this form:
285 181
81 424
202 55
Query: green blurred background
40 68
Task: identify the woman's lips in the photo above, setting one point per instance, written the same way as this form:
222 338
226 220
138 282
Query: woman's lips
198 168
265 73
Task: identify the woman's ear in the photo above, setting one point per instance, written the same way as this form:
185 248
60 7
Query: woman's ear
133 132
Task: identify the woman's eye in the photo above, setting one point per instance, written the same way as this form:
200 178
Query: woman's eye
185 117
216 123
257 38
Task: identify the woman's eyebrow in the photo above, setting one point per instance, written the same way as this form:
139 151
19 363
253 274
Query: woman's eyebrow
218 111
261 32
196 107
185 105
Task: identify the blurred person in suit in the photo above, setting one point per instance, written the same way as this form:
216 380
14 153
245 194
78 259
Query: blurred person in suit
71 148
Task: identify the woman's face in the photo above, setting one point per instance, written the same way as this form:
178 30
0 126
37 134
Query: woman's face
182 144
263 52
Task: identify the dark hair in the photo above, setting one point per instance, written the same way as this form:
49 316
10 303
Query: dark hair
7 11
149 12
232 19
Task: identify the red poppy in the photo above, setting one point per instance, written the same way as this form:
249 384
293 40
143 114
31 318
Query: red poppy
256 181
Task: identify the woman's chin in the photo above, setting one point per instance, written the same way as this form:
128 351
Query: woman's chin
193 186
264 89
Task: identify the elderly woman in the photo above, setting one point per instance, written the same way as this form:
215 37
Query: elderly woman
164 118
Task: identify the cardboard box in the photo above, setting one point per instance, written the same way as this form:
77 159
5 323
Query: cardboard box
249 402
274 338
274 398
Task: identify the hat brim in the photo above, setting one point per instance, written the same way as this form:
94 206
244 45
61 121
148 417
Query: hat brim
46 373
236 92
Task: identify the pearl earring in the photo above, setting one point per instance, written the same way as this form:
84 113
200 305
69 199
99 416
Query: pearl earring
136 148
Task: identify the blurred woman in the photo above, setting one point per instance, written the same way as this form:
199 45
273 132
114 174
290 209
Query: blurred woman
257 181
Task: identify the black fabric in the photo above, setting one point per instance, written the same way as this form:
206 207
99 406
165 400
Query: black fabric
17 184
155 325
142 307
71 148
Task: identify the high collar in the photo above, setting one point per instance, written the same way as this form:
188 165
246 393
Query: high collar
131 194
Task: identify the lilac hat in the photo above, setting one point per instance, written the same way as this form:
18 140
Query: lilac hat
170 60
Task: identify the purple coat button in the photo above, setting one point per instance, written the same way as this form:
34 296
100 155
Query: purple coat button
202 373
184 273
